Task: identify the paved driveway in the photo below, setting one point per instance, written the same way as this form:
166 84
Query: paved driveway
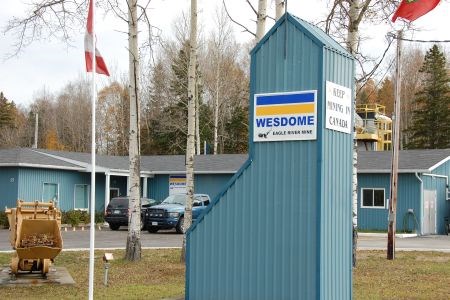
421 243
168 238
107 239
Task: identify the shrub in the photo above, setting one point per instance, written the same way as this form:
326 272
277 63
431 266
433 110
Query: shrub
75 217
4 220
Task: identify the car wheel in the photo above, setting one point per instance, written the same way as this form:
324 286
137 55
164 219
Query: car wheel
114 226
142 224
179 227
153 229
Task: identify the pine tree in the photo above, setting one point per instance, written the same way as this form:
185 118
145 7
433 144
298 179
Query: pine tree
431 118
7 111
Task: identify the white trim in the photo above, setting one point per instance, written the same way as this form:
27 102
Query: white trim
440 163
118 172
27 165
383 171
74 197
144 187
373 190
114 189
107 187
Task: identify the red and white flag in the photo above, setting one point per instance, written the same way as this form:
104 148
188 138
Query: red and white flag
100 66
413 9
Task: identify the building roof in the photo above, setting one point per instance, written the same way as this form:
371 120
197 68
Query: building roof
410 161
312 31
23 157
157 164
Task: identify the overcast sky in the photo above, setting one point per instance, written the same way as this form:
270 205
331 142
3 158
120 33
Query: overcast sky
52 64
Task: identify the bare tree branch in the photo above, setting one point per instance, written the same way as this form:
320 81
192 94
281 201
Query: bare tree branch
245 29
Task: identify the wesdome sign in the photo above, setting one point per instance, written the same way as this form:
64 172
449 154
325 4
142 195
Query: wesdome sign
288 116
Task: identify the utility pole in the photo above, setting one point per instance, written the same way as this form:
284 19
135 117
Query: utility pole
395 150
36 123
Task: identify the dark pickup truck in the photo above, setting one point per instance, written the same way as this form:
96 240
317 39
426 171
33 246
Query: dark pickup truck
170 213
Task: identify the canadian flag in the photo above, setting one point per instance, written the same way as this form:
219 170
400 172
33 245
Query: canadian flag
100 66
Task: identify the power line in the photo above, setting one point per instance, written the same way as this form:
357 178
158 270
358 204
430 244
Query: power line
417 40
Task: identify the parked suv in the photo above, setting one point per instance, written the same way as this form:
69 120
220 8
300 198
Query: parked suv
117 211
170 213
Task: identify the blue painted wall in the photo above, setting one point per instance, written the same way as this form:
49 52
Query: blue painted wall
408 198
211 184
32 180
8 187
265 235
443 204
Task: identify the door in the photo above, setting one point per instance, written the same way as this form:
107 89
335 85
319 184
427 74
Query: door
113 193
50 193
81 196
429 211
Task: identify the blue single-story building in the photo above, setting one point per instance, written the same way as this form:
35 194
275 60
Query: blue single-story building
65 177
423 190
36 174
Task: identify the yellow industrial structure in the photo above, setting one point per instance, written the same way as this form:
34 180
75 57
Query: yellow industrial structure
35 235
373 127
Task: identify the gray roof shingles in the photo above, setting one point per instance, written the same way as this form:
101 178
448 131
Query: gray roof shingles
368 161
223 163
409 160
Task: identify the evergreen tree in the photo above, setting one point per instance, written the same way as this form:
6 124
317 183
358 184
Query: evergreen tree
7 111
431 117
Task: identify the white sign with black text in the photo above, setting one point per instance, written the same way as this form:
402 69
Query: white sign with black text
338 113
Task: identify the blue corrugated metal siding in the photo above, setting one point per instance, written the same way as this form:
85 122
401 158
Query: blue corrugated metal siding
260 240
158 187
443 204
336 188
8 187
408 197
438 184
373 218
32 180
211 184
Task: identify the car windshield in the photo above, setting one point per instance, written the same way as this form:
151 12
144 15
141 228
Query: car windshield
176 199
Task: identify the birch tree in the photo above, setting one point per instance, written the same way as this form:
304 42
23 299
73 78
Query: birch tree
347 15
56 19
191 126
279 8
133 250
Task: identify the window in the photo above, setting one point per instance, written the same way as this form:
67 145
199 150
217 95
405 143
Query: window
81 196
373 198
50 193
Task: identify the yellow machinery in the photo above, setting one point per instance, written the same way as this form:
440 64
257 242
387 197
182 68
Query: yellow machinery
35 235
375 132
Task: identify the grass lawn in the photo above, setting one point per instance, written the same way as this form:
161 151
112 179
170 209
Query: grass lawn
413 275
158 275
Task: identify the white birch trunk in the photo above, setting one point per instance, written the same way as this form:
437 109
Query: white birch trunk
279 9
197 118
261 19
352 40
191 127
133 251
216 104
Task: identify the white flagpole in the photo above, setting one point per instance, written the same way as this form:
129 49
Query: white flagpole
92 207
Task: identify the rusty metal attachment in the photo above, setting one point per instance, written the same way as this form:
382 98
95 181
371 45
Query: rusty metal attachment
35 235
